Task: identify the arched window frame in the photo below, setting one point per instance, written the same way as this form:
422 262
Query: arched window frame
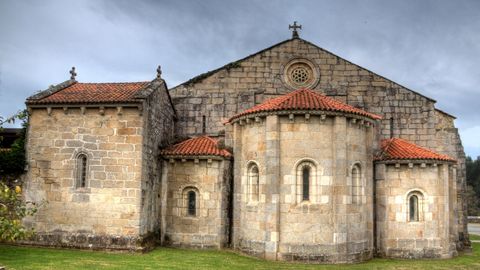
300 168
418 208
186 202
356 186
81 170
253 182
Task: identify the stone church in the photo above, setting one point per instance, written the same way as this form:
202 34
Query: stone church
292 153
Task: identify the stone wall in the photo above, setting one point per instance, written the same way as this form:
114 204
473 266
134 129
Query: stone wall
210 181
449 142
119 206
435 232
222 93
107 209
158 132
279 224
250 81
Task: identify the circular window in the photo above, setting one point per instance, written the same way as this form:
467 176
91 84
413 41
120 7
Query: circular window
300 73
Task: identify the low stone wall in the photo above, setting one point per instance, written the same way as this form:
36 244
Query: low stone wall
61 239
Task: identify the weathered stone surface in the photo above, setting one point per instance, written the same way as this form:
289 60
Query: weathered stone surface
406 114
210 181
280 225
134 195
434 234
119 199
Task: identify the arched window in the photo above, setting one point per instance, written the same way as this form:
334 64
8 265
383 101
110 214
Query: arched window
306 183
414 206
356 185
253 188
191 203
81 180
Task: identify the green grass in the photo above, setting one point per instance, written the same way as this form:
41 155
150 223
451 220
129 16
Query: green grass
474 237
13 257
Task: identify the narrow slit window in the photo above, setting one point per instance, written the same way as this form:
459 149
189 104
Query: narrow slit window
81 171
413 201
253 182
356 185
306 183
204 124
192 203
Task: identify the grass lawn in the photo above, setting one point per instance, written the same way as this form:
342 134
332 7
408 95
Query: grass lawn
474 237
13 257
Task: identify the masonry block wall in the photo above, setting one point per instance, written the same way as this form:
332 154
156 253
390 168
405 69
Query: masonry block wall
434 232
117 203
158 132
208 226
329 226
220 94
106 212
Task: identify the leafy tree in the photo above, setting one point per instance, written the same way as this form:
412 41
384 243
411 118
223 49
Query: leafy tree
473 183
12 207
12 162
12 210
472 202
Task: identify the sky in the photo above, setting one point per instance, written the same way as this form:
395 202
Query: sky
432 47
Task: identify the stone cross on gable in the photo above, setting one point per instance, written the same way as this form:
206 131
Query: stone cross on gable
295 27
159 72
72 73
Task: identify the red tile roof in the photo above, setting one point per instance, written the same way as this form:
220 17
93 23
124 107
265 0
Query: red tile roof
94 93
400 149
200 146
304 99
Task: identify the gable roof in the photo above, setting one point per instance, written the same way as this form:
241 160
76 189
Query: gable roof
304 99
200 146
236 63
400 149
80 93
228 66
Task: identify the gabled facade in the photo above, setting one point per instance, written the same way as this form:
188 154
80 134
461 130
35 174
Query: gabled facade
92 153
292 153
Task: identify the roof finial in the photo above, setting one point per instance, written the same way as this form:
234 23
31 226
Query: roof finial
295 27
72 73
159 72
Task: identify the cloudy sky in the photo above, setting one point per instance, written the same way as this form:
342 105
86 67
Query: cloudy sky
432 47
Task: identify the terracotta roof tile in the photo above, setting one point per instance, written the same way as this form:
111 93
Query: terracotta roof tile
200 146
400 149
94 93
304 99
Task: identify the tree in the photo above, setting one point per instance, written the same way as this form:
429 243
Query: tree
473 186
12 210
12 207
12 162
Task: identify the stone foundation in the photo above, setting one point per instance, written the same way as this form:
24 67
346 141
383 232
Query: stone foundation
62 239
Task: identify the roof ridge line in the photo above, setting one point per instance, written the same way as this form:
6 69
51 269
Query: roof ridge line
352 63
51 90
213 71
113 82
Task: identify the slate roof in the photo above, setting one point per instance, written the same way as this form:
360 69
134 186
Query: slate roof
304 99
199 146
76 93
400 149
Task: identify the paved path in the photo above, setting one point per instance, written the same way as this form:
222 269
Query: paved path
474 228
